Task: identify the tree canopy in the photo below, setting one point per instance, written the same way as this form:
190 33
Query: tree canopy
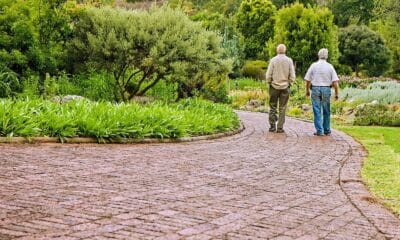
352 11
304 31
141 48
363 49
255 20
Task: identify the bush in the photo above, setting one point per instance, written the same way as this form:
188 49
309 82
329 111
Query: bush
295 112
247 84
240 98
305 30
255 69
9 83
140 48
376 114
363 50
103 121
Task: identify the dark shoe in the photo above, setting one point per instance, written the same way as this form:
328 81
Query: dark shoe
328 133
280 130
272 129
318 134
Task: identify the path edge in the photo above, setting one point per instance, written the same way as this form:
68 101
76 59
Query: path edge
84 140
355 188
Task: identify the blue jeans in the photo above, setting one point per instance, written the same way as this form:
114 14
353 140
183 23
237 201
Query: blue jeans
321 100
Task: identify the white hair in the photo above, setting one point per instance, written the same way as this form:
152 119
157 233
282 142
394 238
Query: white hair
323 53
281 48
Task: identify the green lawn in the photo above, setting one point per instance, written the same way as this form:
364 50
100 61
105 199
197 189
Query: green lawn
381 170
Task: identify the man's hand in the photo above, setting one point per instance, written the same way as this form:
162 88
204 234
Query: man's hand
336 97
307 93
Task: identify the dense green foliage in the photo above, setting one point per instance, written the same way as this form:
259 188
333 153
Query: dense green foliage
381 170
376 115
281 3
349 12
255 20
33 37
102 120
255 69
304 31
141 48
363 49
388 25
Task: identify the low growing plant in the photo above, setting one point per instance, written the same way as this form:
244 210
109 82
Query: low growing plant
103 120
383 92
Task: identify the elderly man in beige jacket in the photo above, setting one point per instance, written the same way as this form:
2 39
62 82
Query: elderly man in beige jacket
280 76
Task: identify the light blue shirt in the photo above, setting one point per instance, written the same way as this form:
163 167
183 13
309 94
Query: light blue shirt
321 74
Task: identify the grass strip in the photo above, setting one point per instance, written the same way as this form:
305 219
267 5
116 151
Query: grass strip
381 169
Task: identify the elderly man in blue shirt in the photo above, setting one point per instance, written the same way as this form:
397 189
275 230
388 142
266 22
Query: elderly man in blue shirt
320 77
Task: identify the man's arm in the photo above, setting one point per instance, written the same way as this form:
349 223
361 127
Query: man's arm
292 73
268 75
308 87
308 78
335 85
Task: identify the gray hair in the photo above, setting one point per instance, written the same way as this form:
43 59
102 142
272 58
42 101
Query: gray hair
323 53
281 48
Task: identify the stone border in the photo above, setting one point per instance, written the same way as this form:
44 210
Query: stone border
355 189
85 140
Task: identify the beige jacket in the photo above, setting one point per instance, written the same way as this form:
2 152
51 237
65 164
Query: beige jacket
280 72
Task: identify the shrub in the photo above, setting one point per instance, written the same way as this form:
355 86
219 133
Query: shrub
304 31
247 84
363 49
376 114
9 83
241 98
255 69
383 92
295 112
140 48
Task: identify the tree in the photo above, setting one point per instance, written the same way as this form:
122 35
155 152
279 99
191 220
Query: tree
281 3
304 31
255 21
388 26
33 36
52 19
352 11
363 49
142 48
18 39
225 26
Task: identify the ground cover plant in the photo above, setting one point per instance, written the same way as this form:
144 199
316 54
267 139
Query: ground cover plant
103 120
381 170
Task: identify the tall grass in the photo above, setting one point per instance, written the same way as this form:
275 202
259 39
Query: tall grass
103 120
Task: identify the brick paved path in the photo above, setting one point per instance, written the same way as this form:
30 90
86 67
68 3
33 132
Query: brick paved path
255 185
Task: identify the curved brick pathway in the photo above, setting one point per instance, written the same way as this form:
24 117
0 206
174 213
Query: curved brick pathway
255 185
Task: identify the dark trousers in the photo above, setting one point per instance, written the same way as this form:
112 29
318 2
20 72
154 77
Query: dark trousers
277 97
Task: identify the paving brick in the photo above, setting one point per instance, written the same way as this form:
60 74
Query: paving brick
254 185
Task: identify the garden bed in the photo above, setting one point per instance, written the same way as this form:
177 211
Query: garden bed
107 122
